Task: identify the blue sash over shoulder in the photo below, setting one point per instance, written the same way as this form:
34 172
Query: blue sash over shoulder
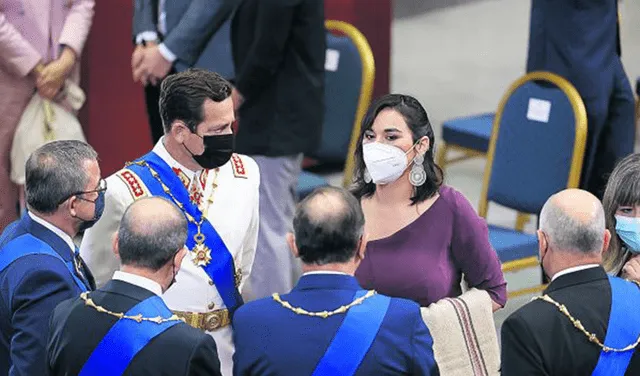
623 328
127 337
26 245
354 337
220 266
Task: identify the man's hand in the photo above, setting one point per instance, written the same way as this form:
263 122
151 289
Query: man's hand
153 67
631 269
51 78
136 59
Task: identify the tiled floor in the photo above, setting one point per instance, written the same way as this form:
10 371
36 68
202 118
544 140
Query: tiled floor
458 56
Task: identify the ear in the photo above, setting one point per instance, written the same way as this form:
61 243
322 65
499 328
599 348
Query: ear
179 131
542 243
180 256
364 239
423 145
72 203
291 241
607 240
114 245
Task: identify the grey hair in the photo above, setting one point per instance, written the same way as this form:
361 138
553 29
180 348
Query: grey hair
566 233
623 189
55 172
151 244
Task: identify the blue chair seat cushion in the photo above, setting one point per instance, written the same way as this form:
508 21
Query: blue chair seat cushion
512 245
308 182
471 132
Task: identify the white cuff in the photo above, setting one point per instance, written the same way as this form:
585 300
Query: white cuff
166 53
147 36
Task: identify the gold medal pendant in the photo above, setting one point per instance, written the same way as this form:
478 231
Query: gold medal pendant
201 253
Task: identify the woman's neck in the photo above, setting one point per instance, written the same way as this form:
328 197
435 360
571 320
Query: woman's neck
398 192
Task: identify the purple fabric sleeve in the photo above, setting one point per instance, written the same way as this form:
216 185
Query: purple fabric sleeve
473 253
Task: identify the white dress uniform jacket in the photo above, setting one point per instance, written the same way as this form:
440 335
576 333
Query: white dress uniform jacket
232 191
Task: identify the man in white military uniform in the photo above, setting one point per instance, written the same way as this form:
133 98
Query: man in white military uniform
193 165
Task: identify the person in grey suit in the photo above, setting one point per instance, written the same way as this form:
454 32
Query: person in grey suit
171 36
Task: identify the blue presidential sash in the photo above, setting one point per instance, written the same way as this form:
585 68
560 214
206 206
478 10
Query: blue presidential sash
354 337
221 268
26 245
623 328
126 338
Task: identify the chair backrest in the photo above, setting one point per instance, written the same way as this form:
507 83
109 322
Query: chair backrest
349 76
537 143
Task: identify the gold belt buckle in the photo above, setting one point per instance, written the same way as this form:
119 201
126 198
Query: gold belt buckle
207 321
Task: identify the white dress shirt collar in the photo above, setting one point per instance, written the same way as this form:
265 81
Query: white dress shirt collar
139 281
324 272
573 270
61 234
163 153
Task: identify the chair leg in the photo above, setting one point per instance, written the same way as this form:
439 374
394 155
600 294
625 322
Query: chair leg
521 221
441 157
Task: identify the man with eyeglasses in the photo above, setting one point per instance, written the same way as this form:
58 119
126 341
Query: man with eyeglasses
39 264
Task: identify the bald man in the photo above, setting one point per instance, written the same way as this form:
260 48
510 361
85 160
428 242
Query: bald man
328 325
125 328
539 338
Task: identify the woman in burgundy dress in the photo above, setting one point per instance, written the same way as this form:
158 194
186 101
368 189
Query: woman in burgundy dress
423 236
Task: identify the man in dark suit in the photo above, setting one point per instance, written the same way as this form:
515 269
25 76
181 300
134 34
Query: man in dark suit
580 41
279 55
540 339
176 35
39 263
328 325
125 328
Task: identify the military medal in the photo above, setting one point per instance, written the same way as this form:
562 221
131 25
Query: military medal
200 252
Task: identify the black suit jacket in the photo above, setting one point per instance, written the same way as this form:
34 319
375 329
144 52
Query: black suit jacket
278 51
539 340
76 330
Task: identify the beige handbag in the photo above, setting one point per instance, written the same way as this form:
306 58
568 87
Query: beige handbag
465 342
43 121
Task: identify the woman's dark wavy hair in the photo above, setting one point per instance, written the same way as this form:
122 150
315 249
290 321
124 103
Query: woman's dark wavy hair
418 122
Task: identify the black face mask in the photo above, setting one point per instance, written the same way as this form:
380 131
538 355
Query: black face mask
217 150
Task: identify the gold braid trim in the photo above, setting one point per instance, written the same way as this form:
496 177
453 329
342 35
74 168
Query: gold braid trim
138 318
323 314
578 325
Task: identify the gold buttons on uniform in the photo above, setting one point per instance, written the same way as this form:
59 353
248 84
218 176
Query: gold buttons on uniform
210 282
211 305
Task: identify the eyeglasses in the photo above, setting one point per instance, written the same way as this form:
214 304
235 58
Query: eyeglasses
102 187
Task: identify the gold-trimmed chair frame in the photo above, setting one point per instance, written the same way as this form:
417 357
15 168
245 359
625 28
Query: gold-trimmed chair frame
366 88
575 170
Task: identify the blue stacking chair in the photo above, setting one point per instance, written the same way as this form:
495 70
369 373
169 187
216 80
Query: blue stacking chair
349 76
530 158
468 135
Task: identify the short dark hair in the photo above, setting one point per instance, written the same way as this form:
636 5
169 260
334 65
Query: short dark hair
418 122
55 172
153 244
182 96
328 226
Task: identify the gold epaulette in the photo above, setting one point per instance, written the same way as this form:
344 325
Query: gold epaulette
136 187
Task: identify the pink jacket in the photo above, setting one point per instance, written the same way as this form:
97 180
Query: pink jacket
33 30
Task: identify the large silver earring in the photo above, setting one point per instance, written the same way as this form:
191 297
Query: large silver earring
367 177
418 175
